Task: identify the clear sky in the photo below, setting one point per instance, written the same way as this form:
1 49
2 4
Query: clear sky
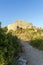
28 10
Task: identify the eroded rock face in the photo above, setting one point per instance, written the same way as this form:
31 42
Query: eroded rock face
20 23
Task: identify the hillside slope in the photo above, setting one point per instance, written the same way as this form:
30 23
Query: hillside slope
25 31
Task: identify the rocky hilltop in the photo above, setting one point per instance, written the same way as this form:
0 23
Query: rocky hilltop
25 31
19 23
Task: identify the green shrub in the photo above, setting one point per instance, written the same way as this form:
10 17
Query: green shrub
10 47
37 42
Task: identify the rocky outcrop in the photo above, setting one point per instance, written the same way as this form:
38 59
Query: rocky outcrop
19 23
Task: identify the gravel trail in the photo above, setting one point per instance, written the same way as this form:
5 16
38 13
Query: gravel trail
33 56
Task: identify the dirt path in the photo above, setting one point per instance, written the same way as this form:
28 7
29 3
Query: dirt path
33 56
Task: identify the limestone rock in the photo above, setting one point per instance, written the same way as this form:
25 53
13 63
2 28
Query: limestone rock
19 23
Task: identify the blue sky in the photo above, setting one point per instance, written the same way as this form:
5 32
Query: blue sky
28 10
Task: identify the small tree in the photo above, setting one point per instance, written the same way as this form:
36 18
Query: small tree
0 24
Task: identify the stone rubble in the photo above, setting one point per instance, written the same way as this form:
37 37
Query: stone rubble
22 61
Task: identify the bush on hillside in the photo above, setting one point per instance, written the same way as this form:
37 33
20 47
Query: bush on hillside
10 47
37 42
